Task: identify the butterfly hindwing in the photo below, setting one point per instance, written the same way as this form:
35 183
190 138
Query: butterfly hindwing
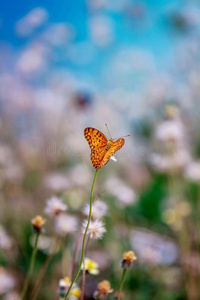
113 148
97 156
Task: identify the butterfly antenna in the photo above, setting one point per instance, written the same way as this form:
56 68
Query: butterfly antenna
108 130
122 136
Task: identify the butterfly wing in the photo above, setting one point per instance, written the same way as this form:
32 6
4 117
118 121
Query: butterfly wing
96 139
113 148
97 142
97 156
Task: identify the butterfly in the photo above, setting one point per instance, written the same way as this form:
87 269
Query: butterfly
101 148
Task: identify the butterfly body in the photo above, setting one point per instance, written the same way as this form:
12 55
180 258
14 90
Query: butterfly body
109 144
101 148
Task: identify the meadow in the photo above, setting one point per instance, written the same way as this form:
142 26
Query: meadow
131 230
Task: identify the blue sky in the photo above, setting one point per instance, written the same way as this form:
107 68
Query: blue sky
152 35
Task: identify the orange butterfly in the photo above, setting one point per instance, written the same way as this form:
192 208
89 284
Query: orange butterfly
101 148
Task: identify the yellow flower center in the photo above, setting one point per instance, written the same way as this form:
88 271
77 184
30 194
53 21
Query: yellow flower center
129 256
76 292
104 287
38 222
91 266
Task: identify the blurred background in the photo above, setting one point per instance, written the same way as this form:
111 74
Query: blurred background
135 65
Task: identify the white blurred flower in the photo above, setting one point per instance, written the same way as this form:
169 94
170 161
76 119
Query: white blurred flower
34 19
56 182
175 215
80 175
175 161
5 240
192 171
64 284
54 206
172 130
46 244
65 224
99 209
59 33
153 249
7 281
121 191
172 146
101 30
150 255
96 4
14 171
102 257
33 59
96 229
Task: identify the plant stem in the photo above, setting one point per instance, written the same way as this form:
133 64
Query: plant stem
43 270
84 237
121 284
30 268
75 254
83 280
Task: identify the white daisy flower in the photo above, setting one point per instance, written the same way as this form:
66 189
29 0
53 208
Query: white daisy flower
7 282
65 224
54 206
99 209
64 285
5 240
96 229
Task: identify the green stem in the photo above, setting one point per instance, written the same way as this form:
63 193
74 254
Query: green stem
84 237
43 270
121 283
30 268
83 279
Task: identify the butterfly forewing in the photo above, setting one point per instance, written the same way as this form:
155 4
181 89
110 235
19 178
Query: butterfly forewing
95 138
113 148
